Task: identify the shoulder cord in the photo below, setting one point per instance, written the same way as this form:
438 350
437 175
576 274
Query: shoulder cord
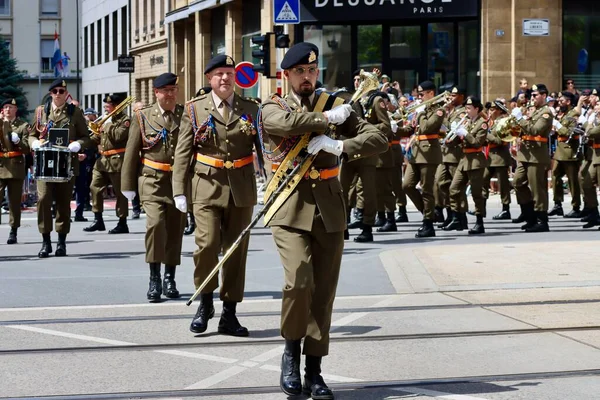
285 144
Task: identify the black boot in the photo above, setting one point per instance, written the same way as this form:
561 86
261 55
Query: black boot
380 220
97 225
593 219
154 287
390 223
463 221
229 324
169 285
575 213
365 236
121 227
61 246
438 215
523 217
556 210
478 229
585 213
346 234
46 246
448 219
12 236
541 225
80 218
314 385
289 380
426 230
206 310
455 224
504 214
358 222
402 215
531 216
190 224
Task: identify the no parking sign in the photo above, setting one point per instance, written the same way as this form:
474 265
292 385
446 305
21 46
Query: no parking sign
245 76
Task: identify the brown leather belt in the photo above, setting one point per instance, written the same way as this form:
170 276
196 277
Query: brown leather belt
534 139
157 165
596 146
435 136
472 150
565 138
394 143
323 174
112 152
218 163
10 154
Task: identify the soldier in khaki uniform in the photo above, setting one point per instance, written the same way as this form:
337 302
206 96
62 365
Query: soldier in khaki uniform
147 169
217 137
58 114
592 131
107 170
473 136
498 163
585 107
531 185
426 156
397 172
13 148
452 153
308 227
565 157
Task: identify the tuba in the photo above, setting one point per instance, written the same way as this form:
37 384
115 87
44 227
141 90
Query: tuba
96 125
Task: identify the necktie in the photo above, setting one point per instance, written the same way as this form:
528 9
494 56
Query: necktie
306 103
167 117
225 111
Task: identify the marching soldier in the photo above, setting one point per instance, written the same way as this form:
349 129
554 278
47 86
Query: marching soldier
308 227
147 169
531 185
217 137
593 133
58 114
427 155
498 164
470 169
586 106
565 157
112 139
13 148
400 132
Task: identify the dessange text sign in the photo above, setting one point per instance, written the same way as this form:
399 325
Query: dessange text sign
362 10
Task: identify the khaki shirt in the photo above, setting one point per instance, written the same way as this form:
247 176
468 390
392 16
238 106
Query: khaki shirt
428 151
113 138
14 167
538 126
593 131
566 151
452 152
472 145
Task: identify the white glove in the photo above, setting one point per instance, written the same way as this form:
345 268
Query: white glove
325 143
592 118
36 144
181 203
394 126
557 125
129 194
15 137
74 147
420 110
582 119
339 114
461 132
453 125
517 113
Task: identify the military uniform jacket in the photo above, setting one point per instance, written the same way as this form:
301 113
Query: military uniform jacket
203 131
153 139
14 167
566 151
472 143
593 131
452 152
370 161
378 117
60 118
429 123
315 195
537 127
113 138
499 151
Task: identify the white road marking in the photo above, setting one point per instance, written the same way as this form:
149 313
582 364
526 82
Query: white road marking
438 395
217 378
206 357
264 357
249 364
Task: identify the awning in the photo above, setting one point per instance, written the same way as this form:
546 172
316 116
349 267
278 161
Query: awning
206 4
178 14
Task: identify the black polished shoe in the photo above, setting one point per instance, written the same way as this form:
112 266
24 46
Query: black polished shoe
206 310
314 385
80 218
586 213
402 215
455 224
541 225
448 219
120 228
289 379
358 221
97 225
426 230
592 219
390 223
154 286
61 246
190 226
12 236
478 229
575 213
379 220
135 215
169 285
365 236
46 246
229 324
523 217
438 215
556 210
504 214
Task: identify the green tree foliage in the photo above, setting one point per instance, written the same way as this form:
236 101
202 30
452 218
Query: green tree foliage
9 80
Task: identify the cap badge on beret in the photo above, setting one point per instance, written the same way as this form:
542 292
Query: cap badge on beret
534 88
470 101
108 99
594 91
312 57
229 61
13 102
455 90
420 89
64 84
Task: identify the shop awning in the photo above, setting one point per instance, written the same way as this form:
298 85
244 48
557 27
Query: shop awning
178 14
196 6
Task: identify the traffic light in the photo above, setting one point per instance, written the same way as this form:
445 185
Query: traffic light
282 40
265 54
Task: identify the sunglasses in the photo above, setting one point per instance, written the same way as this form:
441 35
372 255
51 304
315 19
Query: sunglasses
419 94
570 83
302 70
59 91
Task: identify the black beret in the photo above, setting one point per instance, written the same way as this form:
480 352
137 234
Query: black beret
90 111
58 83
568 95
356 73
458 90
540 88
586 92
204 90
12 102
165 79
114 99
218 62
300 53
596 91
474 101
427 85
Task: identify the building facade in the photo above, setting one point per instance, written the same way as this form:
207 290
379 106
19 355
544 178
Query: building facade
105 36
29 28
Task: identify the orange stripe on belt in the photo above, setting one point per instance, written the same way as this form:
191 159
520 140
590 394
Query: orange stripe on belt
472 150
494 145
565 138
323 174
534 139
394 142
112 152
275 166
596 146
428 137
218 163
157 165
10 154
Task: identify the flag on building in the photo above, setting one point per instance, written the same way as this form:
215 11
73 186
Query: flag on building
56 57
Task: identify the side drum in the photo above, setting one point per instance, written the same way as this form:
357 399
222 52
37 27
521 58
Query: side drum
52 165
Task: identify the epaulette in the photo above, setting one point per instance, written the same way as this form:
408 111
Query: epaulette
201 97
251 100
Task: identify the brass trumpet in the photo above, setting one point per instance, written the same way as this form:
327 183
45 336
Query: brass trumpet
507 128
96 125
411 110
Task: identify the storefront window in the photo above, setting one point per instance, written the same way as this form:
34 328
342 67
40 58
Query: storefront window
405 41
581 38
335 57
369 47
440 54
468 56
217 37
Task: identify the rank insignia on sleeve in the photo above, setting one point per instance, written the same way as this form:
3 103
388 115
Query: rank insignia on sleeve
546 115
440 113
484 125
126 123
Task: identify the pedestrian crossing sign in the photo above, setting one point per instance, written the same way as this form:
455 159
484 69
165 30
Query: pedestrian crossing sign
286 11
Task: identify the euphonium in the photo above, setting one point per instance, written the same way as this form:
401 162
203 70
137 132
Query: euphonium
507 128
96 125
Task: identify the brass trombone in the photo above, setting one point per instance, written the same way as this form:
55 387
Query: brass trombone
96 125
410 110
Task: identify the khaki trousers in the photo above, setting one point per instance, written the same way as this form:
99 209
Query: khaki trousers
365 189
62 194
571 169
100 181
164 233
386 201
586 182
503 183
397 181
441 189
424 201
458 190
311 263
531 185
15 190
